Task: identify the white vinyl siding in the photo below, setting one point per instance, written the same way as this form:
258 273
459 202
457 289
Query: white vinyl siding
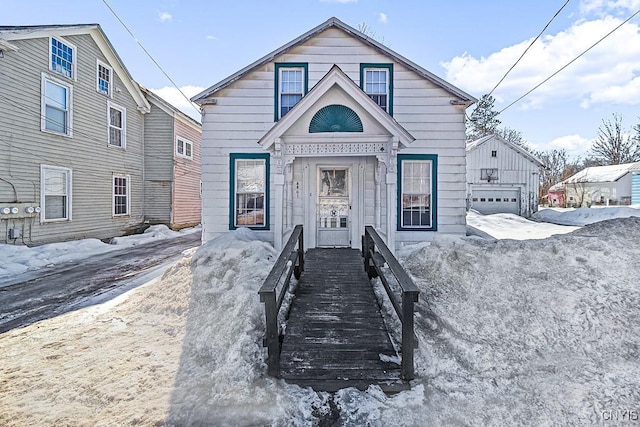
121 195
56 106
117 123
104 79
55 193
184 148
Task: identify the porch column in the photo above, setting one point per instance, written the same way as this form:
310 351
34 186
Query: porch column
377 204
391 211
278 183
288 173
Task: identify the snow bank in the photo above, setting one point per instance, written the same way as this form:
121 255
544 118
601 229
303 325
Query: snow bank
584 216
534 332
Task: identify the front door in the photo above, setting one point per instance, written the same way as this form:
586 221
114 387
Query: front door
334 207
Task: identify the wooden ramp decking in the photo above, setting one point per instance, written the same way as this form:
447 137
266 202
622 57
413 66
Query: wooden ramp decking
335 334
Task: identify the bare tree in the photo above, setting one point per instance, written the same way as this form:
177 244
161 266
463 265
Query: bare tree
365 29
613 146
514 137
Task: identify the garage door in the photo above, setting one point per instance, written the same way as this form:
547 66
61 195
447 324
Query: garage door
496 201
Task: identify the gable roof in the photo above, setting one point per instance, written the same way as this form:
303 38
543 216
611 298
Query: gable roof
473 145
170 109
609 173
9 33
336 77
335 22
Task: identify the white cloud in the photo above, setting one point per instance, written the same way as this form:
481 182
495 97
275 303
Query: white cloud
210 37
165 16
175 98
607 73
382 17
608 6
571 143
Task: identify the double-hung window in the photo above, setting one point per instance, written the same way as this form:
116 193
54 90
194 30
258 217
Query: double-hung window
417 174
62 57
121 190
249 191
377 81
184 148
56 100
104 78
117 121
291 83
55 193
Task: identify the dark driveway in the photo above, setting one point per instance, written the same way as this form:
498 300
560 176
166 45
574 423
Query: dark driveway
70 286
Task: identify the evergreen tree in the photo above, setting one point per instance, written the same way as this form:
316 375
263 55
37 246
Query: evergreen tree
483 120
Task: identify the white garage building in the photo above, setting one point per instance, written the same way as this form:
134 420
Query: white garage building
501 177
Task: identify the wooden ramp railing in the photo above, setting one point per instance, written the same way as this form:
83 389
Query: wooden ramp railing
335 334
291 260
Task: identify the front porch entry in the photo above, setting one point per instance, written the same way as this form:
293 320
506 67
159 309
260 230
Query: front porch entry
333 208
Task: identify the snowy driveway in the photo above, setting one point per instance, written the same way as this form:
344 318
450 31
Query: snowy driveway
47 293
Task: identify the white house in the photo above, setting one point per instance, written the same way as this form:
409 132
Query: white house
334 131
502 177
603 185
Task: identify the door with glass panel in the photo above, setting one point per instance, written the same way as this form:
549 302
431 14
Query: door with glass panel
333 207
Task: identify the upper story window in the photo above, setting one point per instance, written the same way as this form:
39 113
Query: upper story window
56 101
184 148
63 57
494 153
104 78
291 83
377 81
117 120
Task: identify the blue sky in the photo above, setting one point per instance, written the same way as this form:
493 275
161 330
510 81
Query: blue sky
469 43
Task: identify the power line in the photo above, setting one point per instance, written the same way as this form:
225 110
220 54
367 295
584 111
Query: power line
149 55
529 47
572 61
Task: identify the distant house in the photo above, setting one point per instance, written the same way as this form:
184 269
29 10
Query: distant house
556 195
604 185
334 131
171 164
502 177
73 156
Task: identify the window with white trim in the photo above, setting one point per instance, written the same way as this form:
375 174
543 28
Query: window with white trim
184 148
55 193
62 57
417 192
117 121
292 84
56 101
250 191
121 191
104 78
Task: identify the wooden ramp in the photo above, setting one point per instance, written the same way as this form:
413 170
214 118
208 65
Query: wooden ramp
335 336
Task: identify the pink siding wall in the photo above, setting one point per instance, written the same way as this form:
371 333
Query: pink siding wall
186 203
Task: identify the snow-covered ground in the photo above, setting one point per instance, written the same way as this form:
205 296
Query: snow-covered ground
17 259
528 332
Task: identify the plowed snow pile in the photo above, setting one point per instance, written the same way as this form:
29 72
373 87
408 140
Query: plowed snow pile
534 332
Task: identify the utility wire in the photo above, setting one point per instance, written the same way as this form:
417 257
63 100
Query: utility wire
572 61
529 47
149 55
